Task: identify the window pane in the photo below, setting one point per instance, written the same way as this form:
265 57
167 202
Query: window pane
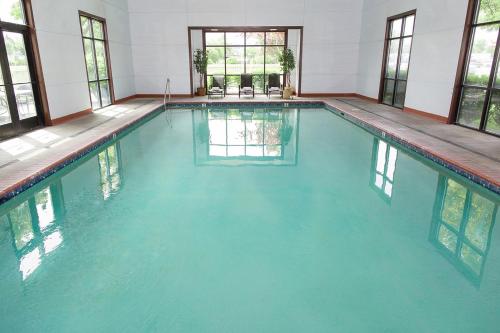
12 11
235 38
493 118
448 238
272 63
214 38
97 28
481 56
255 60
471 258
18 61
480 220
255 38
25 101
471 107
258 82
100 52
233 83
20 218
105 94
409 21
489 10
275 38
85 23
405 58
453 204
44 208
94 95
399 100
396 28
89 59
4 107
234 60
215 60
392 59
388 91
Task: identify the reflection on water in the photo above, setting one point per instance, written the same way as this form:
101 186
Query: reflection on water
383 167
461 228
109 170
35 224
35 227
253 136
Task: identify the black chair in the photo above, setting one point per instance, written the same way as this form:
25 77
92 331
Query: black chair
274 86
218 87
246 85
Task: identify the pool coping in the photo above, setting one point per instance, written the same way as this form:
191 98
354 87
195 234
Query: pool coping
11 191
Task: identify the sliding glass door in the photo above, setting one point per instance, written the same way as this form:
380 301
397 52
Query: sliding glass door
233 53
479 106
397 59
95 45
19 106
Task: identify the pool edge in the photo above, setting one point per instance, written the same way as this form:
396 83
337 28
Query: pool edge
10 192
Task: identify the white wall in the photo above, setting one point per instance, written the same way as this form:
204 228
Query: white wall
437 40
160 44
343 44
61 51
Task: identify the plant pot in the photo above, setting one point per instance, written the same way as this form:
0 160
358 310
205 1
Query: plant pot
201 91
287 92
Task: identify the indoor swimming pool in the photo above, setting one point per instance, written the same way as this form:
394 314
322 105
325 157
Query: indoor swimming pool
260 219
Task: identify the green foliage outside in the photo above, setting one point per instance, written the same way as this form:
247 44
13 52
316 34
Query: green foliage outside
489 11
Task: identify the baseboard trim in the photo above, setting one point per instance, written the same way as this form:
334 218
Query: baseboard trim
319 95
161 96
125 99
428 115
65 119
366 98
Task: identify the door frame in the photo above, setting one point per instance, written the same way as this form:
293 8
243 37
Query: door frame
42 118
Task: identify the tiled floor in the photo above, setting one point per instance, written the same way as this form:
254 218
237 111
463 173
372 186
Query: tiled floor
27 156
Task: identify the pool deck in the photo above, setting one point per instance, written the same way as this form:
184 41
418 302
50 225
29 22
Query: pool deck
25 158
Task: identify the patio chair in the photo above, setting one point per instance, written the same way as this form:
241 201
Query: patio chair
246 86
218 87
274 86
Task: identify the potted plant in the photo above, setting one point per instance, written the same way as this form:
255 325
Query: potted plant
200 61
287 63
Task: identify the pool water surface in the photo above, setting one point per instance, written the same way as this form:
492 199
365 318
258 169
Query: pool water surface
251 220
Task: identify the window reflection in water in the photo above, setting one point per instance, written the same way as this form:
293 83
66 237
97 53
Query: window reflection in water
253 136
35 227
384 157
109 168
462 224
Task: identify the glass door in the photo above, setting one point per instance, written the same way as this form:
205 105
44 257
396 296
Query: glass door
397 50
479 106
231 54
19 107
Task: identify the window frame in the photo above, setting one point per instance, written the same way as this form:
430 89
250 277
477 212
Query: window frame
225 45
437 221
463 65
107 54
385 178
18 126
387 39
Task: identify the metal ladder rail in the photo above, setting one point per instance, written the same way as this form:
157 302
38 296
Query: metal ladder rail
167 93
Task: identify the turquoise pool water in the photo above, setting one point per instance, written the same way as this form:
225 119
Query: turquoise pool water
265 220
